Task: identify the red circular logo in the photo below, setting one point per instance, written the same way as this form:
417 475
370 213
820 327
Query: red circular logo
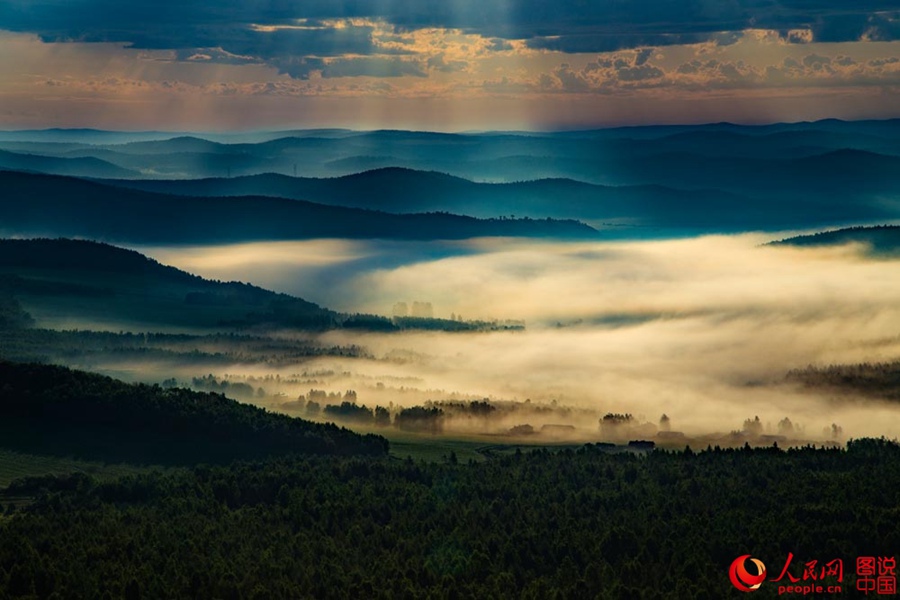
742 579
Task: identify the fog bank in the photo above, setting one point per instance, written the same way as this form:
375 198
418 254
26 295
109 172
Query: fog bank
701 329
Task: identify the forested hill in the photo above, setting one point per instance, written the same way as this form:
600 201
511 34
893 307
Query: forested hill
49 205
882 239
532 525
71 254
400 190
91 280
87 166
47 409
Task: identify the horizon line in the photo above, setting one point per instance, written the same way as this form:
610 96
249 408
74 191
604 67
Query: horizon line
547 131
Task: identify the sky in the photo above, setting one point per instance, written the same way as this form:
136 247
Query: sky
455 65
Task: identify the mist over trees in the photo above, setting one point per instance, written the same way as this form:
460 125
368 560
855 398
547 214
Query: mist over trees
873 380
12 315
620 479
50 409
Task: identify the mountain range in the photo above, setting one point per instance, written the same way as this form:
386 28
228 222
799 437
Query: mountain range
47 205
631 182
401 190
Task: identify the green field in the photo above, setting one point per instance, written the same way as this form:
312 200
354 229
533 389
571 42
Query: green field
437 448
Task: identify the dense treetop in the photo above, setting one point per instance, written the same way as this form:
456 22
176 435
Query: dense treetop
570 524
48 408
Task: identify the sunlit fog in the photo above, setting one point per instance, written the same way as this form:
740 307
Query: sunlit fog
703 330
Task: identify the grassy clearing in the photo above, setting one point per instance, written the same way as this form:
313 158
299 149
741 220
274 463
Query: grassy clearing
437 448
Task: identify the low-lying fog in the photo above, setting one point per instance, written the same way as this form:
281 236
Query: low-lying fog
701 329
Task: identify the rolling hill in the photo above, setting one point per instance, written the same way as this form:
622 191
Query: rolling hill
660 180
53 410
695 209
628 155
79 284
401 190
95 282
86 166
47 205
880 240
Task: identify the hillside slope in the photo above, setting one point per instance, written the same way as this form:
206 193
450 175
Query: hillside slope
880 240
47 409
64 206
82 280
401 190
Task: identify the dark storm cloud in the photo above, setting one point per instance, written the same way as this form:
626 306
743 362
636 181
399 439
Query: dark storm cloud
191 24
562 25
610 42
372 66
854 24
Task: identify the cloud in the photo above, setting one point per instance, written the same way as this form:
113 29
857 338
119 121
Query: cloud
853 26
642 56
880 62
610 42
607 73
228 32
372 67
816 62
217 55
499 45
639 73
438 63
571 81
281 31
630 71
713 73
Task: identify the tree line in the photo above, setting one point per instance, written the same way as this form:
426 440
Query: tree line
50 409
569 524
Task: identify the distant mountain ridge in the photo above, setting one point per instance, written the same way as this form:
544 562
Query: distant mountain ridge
630 181
62 206
402 190
87 166
598 156
873 126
